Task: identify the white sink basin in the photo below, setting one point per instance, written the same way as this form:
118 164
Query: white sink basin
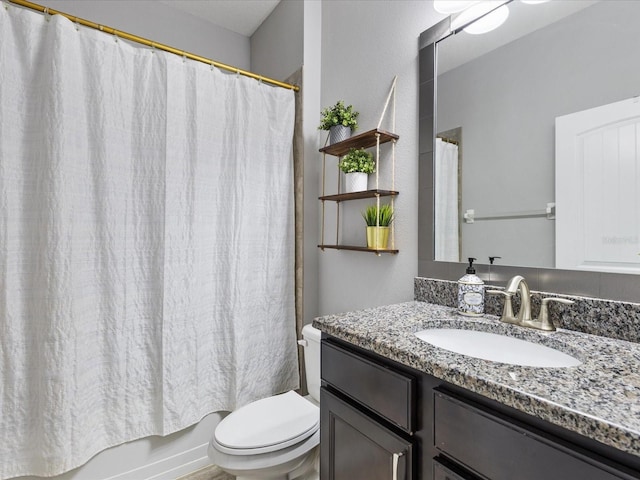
497 348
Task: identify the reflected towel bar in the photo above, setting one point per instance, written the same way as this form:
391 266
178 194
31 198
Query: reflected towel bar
549 213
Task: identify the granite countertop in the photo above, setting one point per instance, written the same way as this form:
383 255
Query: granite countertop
599 399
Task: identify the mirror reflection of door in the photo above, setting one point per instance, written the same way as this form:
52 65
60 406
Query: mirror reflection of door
447 174
598 188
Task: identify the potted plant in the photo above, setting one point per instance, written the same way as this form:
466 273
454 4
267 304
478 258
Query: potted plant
340 120
357 164
378 222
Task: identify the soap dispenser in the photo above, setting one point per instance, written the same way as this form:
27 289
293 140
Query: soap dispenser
471 293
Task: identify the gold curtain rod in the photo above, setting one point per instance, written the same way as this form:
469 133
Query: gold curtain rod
149 43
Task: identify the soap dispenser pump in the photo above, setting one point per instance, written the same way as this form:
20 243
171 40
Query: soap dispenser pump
471 293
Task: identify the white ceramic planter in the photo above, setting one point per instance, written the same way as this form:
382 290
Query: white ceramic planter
355 182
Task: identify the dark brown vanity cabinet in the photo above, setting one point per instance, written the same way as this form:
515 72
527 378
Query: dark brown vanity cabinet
380 419
368 418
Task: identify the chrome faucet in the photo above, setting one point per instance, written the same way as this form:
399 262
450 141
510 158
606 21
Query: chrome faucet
523 318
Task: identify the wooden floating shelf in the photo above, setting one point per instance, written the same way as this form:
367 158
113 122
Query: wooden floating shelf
364 140
340 197
358 249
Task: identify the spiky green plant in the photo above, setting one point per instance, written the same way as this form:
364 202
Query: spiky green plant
357 160
374 217
339 114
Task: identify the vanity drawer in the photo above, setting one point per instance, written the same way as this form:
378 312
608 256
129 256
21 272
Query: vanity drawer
499 449
384 391
442 472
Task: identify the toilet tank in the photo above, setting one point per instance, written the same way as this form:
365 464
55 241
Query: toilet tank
311 344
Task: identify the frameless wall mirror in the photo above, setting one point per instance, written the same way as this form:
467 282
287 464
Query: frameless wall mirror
537 139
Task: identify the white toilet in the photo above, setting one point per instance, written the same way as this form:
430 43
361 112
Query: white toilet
276 438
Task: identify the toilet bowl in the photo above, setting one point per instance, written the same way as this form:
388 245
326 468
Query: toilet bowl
275 438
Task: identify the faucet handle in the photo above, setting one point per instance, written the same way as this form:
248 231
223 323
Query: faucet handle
507 310
543 320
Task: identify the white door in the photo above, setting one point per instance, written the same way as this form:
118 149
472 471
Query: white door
598 189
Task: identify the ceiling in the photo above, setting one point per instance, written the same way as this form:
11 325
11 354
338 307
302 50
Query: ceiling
240 16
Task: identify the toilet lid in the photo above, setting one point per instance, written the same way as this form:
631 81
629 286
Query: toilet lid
269 424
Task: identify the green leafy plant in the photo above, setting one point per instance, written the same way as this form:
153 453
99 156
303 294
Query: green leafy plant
357 160
374 217
339 114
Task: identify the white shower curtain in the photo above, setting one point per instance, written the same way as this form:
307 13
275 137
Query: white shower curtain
447 245
146 242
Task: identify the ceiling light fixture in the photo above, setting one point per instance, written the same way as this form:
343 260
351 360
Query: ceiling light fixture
482 17
489 22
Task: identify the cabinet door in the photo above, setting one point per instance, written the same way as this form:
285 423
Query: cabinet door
355 447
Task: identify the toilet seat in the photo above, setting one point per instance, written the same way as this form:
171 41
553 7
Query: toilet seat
267 425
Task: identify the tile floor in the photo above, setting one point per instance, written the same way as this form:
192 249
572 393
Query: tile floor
208 473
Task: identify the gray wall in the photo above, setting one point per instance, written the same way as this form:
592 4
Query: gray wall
277 45
311 111
364 44
288 39
506 103
159 22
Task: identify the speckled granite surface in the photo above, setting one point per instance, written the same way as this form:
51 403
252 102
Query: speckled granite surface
606 318
599 398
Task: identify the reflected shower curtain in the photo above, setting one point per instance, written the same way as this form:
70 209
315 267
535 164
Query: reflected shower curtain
447 244
146 242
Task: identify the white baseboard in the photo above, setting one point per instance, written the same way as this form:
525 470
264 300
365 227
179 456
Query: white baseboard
169 468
